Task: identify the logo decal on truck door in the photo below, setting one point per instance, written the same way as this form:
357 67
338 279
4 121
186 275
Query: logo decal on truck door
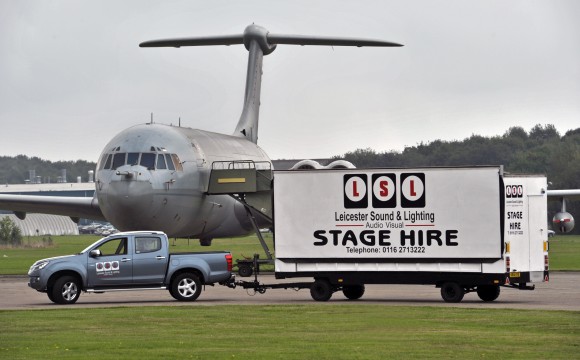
107 268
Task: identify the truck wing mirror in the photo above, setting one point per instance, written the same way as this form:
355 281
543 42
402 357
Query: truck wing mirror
95 253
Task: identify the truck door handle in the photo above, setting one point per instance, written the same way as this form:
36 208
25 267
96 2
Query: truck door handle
125 260
159 257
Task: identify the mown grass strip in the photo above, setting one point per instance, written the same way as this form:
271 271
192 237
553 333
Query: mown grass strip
319 331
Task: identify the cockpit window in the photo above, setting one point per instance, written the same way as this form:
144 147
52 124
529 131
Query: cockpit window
108 162
177 163
148 161
118 160
170 165
161 162
151 161
132 158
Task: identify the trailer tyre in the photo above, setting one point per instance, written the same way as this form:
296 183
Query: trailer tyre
186 287
321 290
245 270
66 290
488 292
451 292
353 292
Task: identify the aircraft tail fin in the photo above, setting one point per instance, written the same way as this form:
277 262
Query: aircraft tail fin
259 42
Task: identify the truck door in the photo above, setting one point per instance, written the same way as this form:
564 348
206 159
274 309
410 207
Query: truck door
113 267
149 260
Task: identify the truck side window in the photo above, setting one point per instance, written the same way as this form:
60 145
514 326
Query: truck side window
114 247
147 244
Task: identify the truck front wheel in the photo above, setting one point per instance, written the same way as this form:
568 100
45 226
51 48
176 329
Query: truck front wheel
66 290
186 287
321 290
488 292
451 292
353 292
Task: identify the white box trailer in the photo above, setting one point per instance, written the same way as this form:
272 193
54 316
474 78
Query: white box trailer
461 229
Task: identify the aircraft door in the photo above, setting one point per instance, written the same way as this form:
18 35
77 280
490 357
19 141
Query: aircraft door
113 267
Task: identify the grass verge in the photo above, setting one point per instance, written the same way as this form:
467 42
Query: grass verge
289 332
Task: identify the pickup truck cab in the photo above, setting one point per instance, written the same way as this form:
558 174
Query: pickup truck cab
137 260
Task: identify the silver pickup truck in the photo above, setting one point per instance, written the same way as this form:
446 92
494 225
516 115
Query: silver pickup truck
138 260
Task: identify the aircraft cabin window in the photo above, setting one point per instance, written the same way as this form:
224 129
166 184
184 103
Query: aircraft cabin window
170 165
176 162
108 162
148 161
132 158
118 160
161 162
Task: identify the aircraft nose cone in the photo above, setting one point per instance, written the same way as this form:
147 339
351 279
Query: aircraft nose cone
127 192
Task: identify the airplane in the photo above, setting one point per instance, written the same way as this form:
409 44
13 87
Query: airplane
155 177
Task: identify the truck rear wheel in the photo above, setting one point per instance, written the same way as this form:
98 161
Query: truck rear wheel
321 290
66 290
488 292
186 287
353 292
451 292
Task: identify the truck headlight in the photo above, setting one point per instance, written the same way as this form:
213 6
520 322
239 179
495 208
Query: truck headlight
39 265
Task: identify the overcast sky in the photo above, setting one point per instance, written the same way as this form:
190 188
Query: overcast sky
72 74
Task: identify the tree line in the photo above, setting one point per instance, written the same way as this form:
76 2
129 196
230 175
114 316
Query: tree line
542 150
15 170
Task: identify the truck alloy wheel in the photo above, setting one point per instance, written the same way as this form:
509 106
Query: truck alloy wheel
66 290
186 287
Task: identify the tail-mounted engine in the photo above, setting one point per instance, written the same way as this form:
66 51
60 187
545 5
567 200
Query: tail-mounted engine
313 164
563 221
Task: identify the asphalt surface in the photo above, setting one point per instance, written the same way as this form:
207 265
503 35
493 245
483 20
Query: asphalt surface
560 293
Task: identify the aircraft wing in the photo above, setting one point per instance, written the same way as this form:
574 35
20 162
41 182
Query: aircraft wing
572 194
75 207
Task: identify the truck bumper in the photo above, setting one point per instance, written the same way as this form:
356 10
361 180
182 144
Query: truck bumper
36 283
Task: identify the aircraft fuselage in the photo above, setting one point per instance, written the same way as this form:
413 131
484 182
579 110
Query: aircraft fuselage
154 177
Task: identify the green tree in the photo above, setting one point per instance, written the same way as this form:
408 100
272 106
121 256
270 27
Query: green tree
10 233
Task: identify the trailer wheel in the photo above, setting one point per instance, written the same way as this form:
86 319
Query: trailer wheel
66 290
186 287
353 292
451 292
245 270
321 290
488 292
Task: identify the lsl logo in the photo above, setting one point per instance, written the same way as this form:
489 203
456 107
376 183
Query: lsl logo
383 188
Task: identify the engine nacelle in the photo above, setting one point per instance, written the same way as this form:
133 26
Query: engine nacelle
313 164
563 222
